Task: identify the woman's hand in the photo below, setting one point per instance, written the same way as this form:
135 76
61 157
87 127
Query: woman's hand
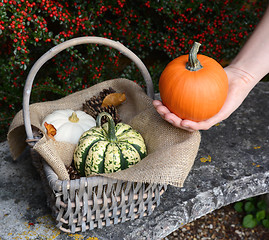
246 70
240 84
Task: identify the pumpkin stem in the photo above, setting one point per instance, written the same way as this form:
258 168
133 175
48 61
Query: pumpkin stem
111 134
73 118
193 63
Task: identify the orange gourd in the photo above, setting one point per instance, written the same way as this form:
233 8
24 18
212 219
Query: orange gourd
193 87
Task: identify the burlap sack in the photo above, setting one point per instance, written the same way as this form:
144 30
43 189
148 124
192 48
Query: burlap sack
171 151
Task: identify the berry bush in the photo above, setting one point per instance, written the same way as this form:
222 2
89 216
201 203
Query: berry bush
157 31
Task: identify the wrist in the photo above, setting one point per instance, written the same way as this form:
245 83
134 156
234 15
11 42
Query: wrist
248 74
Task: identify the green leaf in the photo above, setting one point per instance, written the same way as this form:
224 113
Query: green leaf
249 221
265 223
249 207
260 215
238 207
251 199
262 205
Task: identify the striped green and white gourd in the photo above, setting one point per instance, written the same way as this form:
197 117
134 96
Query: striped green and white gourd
108 148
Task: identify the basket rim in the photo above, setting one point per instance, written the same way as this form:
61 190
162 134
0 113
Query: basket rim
57 185
74 42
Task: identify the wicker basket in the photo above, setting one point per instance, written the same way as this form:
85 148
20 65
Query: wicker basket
94 202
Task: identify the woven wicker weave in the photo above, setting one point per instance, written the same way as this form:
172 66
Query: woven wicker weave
94 202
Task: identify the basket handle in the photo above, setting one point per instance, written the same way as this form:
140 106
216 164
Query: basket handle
62 46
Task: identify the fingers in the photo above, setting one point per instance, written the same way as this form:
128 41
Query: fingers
204 125
186 124
156 103
161 109
168 116
207 124
176 121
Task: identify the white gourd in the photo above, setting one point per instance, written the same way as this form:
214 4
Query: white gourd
69 124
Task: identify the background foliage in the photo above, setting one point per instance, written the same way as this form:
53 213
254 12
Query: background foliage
255 211
157 31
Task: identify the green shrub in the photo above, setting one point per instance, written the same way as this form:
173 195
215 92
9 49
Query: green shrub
254 211
157 31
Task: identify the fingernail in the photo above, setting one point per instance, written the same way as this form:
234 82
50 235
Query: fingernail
170 121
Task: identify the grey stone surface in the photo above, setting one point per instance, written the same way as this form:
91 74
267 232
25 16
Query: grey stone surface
232 164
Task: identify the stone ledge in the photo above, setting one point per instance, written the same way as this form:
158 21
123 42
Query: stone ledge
232 164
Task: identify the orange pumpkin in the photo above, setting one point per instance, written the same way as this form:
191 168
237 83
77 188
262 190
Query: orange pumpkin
194 87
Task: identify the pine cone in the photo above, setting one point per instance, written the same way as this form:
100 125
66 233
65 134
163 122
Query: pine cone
112 110
93 106
105 92
73 173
